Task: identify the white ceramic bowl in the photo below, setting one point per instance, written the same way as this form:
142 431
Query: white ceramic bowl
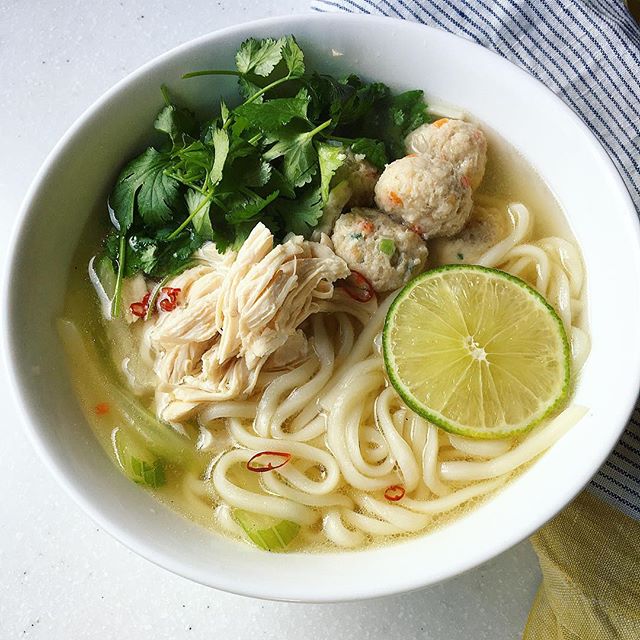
77 175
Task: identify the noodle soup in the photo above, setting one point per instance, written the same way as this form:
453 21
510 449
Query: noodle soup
247 388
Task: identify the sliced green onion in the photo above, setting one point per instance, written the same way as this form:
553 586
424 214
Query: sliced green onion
387 246
138 463
266 532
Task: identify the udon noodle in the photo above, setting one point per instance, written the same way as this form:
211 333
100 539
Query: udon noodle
349 434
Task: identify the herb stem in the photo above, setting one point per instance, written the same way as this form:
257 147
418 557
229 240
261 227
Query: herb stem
339 138
191 185
151 304
117 295
262 91
207 198
211 72
319 128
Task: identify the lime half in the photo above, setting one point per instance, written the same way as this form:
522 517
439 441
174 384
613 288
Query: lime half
476 351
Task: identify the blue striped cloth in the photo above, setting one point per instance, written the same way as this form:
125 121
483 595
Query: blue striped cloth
588 53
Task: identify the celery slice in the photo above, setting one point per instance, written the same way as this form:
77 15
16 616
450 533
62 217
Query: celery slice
266 532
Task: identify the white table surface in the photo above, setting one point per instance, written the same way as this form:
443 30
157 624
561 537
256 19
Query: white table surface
61 577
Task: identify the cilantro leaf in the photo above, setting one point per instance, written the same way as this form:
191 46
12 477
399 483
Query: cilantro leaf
259 56
248 88
394 118
201 221
362 99
330 158
278 182
250 208
345 101
276 113
373 150
300 216
159 256
293 57
220 141
251 171
176 123
300 156
192 163
143 183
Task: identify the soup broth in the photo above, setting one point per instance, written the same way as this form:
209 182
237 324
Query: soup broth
346 517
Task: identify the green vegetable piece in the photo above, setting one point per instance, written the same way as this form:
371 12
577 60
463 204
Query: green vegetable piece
330 159
293 57
373 150
266 532
224 112
136 461
143 182
220 140
176 122
259 56
198 207
301 216
192 163
251 207
300 157
394 118
387 246
273 114
158 437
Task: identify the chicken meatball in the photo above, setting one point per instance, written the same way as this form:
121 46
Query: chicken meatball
461 143
426 193
384 251
486 227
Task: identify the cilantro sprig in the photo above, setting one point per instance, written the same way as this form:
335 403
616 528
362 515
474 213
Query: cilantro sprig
269 159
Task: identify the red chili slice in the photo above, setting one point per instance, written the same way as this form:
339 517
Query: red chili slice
168 299
416 229
139 309
358 287
394 493
260 466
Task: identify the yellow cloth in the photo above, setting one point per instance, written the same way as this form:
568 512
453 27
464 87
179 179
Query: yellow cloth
590 560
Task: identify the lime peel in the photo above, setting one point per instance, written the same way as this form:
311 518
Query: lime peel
476 351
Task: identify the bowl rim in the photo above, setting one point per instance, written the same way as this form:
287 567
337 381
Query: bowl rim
133 541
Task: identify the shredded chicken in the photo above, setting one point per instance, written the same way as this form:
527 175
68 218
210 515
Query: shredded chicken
235 311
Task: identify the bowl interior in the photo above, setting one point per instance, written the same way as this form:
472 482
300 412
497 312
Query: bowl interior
404 55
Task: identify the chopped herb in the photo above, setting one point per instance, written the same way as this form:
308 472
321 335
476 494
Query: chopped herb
356 235
387 246
460 256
